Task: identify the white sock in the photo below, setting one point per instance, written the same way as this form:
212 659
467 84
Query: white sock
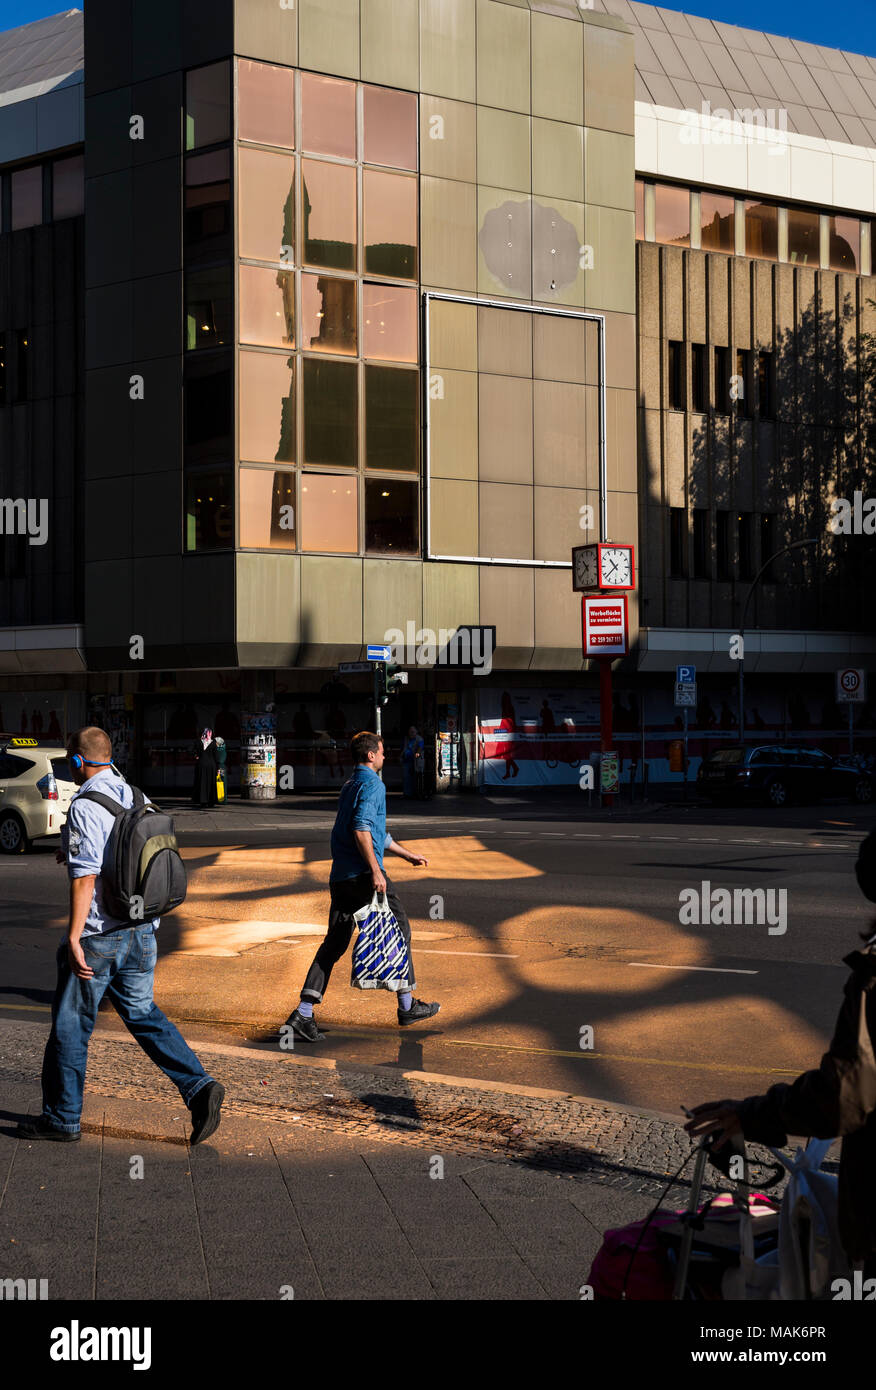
405 1000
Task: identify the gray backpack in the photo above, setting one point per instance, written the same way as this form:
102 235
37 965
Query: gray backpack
147 877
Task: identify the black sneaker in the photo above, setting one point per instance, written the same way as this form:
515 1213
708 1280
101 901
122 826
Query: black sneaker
305 1027
205 1111
418 1010
38 1127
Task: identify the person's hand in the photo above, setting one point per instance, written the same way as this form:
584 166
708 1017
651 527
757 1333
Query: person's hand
378 881
76 957
419 859
719 1117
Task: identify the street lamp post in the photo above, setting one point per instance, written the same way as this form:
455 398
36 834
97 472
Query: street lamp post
795 545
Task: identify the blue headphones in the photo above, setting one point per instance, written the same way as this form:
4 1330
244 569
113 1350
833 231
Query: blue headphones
79 762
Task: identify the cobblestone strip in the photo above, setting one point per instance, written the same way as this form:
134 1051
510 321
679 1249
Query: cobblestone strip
575 1138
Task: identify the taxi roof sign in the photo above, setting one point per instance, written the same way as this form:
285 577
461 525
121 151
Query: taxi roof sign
23 743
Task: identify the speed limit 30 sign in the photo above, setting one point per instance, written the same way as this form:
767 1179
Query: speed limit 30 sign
851 686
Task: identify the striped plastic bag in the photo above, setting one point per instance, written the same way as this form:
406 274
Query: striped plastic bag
380 955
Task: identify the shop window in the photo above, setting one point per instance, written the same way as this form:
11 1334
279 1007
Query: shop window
743 385
389 315
328 314
844 242
761 230
699 383
209 511
722 380
765 379
672 214
390 224
267 306
723 570
208 307
328 116
702 551
267 407
329 214
803 237
265 103
391 427
717 222
745 532
390 127
768 545
68 187
677 543
266 206
208 105
391 516
676 376
330 512
330 411
207 216
267 509
27 197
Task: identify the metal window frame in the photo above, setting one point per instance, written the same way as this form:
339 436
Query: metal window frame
599 319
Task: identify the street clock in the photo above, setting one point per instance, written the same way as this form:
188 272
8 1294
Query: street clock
604 565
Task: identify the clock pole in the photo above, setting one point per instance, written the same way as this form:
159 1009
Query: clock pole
605 712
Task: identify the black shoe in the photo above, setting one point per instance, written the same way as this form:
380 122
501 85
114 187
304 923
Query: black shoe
38 1127
305 1027
416 1012
205 1111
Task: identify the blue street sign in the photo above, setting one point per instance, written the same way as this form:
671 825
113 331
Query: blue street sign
685 675
379 653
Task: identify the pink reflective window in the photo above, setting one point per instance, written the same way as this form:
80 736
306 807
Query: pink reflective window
329 214
267 407
266 205
266 103
389 322
330 512
390 128
267 306
328 314
267 509
390 224
328 115
672 214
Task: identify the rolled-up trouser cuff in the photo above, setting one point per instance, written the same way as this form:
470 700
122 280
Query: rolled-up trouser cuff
65 1129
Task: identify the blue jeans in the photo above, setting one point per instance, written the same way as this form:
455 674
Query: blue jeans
123 962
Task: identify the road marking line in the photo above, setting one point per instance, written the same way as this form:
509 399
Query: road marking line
711 969
498 955
30 1008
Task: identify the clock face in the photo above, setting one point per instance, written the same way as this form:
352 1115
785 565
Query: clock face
616 566
585 567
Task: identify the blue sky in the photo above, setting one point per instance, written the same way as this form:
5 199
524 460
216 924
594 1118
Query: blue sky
851 24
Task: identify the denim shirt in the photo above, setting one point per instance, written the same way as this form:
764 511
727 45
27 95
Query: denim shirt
362 806
85 838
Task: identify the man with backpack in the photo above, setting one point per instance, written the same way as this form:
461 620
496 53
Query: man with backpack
359 841
109 837
836 1099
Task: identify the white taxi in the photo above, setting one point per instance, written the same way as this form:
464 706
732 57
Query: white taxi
36 787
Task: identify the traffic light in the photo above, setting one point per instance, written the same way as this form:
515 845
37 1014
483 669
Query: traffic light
380 695
394 678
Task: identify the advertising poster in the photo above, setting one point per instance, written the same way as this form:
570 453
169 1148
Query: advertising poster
258 756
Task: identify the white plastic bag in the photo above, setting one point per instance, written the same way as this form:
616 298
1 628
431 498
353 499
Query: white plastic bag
811 1253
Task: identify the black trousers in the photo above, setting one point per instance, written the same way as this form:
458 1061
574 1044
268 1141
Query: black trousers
348 896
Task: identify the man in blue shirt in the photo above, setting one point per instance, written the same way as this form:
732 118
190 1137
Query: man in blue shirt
359 840
101 954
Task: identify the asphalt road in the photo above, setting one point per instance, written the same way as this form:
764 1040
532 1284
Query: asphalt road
527 930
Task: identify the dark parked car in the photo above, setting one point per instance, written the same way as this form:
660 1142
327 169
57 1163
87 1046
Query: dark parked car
777 774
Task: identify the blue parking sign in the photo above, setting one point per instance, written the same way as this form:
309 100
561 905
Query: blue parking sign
686 675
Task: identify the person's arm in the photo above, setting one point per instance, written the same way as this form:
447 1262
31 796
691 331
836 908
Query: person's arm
396 848
81 894
365 846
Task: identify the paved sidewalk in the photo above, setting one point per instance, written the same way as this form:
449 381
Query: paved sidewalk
321 1177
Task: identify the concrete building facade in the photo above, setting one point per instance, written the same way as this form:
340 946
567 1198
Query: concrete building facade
374 310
